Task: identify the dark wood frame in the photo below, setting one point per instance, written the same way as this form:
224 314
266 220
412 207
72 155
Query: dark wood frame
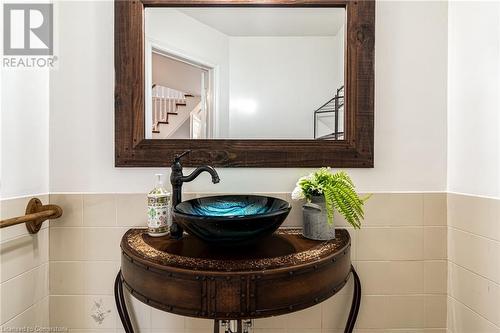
133 150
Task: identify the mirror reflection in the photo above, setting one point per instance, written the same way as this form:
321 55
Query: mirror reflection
244 73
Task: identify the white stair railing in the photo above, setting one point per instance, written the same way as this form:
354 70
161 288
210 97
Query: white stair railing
165 102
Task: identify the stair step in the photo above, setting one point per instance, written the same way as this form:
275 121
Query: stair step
180 104
188 95
172 113
162 122
156 131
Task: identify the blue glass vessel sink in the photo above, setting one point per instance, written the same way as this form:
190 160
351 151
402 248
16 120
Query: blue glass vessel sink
228 220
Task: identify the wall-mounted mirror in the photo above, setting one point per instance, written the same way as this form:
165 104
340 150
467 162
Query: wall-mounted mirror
244 83
245 73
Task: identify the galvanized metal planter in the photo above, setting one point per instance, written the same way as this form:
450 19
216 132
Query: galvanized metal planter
315 220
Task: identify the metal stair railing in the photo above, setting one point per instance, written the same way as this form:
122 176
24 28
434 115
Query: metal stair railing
334 106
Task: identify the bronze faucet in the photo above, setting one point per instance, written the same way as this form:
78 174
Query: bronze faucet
177 178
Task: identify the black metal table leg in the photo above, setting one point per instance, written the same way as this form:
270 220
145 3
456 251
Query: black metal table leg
356 301
120 304
216 326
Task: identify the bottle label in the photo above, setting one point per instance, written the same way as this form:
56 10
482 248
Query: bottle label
158 214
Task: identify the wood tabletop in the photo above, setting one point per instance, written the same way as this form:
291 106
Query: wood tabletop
285 248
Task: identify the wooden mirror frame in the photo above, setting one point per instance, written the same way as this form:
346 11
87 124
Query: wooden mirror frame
132 149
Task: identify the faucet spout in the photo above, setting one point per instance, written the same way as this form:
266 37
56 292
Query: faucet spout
198 171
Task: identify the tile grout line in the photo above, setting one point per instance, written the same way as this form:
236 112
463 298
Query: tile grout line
474 234
45 226
472 195
475 273
115 199
472 310
291 226
25 272
423 256
82 208
31 305
27 309
26 196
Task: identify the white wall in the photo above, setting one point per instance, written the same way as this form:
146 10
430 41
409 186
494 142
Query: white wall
176 74
188 36
474 166
284 79
340 49
24 132
24 156
410 108
473 100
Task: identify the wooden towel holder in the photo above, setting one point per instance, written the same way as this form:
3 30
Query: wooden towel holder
36 214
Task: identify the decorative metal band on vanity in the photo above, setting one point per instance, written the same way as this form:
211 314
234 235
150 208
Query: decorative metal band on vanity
240 289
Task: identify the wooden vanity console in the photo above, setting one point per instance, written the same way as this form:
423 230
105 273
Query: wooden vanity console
281 274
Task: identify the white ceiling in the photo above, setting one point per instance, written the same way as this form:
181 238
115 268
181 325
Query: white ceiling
271 21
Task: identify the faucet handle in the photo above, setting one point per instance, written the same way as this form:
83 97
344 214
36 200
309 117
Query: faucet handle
178 157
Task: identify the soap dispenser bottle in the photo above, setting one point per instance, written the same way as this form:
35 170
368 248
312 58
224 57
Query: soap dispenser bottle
159 209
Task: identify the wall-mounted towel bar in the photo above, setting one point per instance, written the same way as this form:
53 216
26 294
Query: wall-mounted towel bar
36 214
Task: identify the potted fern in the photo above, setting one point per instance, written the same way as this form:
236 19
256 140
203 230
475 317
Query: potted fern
326 192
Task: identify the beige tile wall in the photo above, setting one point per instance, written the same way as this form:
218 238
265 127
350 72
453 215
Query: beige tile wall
400 253
24 268
474 264
411 279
